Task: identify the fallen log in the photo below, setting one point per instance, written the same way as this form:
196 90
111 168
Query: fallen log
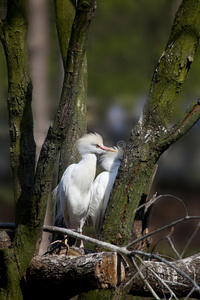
58 275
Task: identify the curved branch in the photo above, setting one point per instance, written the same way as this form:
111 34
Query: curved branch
189 119
187 218
173 66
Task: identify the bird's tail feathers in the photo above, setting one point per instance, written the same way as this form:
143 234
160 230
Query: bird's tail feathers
95 213
58 216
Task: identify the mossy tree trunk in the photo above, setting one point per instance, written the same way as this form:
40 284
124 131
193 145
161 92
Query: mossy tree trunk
31 188
153 135
65 14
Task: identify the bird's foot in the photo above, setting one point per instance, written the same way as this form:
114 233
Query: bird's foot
57 245
81 244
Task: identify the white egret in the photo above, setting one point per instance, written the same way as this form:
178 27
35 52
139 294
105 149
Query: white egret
102 186
74 191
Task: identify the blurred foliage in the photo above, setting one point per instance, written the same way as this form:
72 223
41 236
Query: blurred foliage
125 42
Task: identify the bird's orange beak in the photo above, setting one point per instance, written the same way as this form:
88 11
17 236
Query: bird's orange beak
107 148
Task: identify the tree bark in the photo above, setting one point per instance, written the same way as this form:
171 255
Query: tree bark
56 275
65 14
31 190
13 34
152 135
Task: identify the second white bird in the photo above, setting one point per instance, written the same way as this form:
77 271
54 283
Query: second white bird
102 186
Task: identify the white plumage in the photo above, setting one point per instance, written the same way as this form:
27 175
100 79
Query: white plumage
102 186
74 191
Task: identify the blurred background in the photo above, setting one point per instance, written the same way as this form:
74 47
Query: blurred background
126 39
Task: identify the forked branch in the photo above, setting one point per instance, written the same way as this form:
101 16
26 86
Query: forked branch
188 120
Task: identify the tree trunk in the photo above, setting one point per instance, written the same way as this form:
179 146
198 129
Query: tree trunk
152 135
65 14
31 190
13 33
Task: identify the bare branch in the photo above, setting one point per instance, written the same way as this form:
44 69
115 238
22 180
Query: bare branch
179 271
76 235
190 240
187 218
189 119
171 244
157 276
144 280
154 199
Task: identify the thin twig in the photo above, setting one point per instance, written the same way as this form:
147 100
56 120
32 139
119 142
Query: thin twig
149 287
190 293
152 255
157 276
173 247
154 199
190 240
162 228
171 244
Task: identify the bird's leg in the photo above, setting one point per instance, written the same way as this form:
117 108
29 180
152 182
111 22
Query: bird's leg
57 244
80 231
81 245
63 241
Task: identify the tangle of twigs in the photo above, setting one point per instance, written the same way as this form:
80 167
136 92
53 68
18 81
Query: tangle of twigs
139 255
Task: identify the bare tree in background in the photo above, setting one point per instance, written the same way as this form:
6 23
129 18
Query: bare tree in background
123 227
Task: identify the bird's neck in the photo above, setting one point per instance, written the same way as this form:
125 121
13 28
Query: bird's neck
88 164
89 157
110 166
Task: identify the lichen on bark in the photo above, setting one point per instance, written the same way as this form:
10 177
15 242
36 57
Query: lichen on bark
32 187
152 135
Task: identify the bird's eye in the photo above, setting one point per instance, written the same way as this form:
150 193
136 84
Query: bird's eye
97 146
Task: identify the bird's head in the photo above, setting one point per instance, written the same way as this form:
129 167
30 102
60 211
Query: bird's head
110 160
92 143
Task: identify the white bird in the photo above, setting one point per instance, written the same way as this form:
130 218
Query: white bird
102 186
74 191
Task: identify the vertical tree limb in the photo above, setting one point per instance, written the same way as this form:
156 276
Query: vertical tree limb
30 219
22 146
144 148
65 14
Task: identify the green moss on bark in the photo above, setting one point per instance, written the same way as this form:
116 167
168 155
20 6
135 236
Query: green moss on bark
146 140
31 190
